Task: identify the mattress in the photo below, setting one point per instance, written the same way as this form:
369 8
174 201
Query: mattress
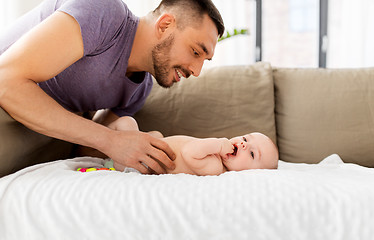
329 200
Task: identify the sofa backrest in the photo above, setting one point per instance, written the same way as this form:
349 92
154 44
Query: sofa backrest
222 102
324 111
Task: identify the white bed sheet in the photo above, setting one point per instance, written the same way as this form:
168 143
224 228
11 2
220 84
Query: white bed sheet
330 200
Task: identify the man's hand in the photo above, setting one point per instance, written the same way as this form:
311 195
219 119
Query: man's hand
134 149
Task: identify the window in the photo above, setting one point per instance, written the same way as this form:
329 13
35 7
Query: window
351 33
240 49
290 33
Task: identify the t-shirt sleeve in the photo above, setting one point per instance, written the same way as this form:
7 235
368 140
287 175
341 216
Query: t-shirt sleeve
99 21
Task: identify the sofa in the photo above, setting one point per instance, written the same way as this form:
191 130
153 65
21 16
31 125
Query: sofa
309 113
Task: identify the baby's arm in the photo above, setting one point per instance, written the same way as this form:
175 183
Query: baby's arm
201 155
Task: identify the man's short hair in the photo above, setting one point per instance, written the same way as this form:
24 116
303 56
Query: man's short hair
191 11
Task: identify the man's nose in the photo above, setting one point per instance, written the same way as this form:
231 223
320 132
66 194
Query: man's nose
196 67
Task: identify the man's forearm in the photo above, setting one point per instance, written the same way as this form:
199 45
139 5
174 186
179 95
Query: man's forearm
29 105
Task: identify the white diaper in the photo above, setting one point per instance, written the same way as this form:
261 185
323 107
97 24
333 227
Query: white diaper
129 170
109 164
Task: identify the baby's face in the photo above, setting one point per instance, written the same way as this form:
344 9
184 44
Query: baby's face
252 151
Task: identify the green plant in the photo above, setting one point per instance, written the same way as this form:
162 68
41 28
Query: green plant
234 33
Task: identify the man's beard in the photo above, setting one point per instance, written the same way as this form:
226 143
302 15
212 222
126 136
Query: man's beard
161 61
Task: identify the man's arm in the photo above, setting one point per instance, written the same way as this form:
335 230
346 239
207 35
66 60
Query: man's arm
41 54
201 155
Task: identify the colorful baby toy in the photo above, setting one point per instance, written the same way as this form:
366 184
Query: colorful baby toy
107 166
94 169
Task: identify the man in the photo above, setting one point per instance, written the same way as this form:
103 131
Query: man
67 57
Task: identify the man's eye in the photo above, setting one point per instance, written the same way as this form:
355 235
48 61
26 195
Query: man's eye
195 52
244 139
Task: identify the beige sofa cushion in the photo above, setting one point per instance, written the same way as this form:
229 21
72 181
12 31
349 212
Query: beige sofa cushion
21 147
222 102
324 111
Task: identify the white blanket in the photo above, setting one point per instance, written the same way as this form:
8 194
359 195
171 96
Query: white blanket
330 200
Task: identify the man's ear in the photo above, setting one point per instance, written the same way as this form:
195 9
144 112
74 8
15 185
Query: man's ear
164 23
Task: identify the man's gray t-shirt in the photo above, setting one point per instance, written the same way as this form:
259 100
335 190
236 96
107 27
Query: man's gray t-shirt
98 80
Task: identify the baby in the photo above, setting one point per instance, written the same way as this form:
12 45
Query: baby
213 156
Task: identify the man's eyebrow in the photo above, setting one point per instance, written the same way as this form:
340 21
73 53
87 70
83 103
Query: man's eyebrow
202 45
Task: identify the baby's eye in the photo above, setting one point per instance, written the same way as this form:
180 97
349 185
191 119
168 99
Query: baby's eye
253 155
244 139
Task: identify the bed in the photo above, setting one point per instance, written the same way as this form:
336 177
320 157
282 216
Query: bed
329 200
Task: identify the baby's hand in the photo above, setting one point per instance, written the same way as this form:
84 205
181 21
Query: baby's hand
227 148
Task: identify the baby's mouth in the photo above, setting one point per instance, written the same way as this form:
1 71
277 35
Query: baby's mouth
235 150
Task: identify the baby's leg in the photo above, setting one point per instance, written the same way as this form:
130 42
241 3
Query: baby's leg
124 124
156 134
129 123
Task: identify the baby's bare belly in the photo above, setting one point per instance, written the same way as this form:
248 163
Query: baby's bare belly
176 143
